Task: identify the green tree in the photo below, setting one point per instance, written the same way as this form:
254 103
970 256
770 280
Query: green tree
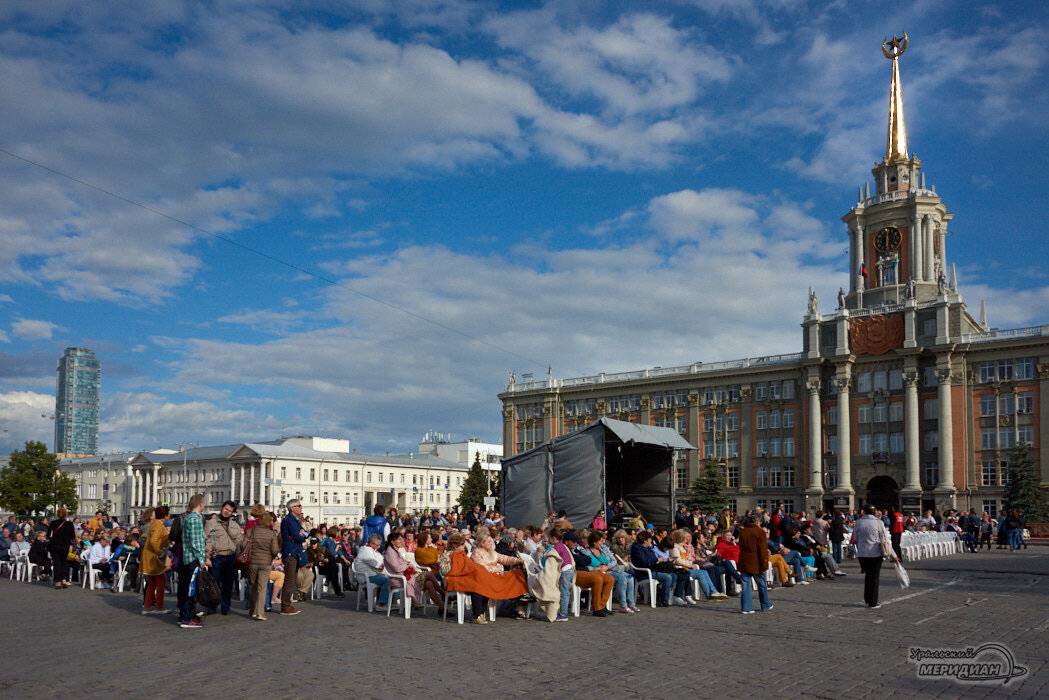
475 487
708 489
1025 492
33 483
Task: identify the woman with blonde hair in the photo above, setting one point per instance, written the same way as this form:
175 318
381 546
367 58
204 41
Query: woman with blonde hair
463 574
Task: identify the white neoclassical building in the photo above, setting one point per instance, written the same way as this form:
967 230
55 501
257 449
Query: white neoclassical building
334 483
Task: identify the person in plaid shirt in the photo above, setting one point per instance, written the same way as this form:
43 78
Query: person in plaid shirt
193 556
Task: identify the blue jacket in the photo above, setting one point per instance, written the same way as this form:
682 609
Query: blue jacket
642 556
291 537
374 525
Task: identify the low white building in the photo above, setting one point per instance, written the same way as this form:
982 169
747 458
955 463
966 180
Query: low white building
464 452
334 484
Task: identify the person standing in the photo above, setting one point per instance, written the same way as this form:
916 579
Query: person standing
836 534
753 563
264 547
870 534
152 564
292 535
223 535
194 556
898 528
60 536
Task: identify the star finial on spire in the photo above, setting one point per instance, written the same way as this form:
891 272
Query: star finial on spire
896 142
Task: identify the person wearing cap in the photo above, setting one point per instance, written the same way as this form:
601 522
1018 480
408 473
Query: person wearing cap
292 535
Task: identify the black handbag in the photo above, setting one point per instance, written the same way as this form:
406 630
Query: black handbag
208 593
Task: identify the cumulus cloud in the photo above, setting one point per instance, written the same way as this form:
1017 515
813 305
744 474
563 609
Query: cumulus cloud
34 329
682 289
135 421
24 417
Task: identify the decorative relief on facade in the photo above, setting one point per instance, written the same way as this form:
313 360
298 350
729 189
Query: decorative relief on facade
546 411
812 386
842 383
1043 370
944 376
601 406
646 403
1005 421
876 335
561 411
910 377
746 394
508 413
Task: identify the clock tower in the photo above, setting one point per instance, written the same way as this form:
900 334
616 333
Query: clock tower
897 233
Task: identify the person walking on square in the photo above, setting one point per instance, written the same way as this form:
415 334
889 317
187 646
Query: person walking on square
59 537
753 563
870 534
898 528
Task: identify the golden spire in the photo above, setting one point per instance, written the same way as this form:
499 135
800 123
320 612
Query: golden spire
896 143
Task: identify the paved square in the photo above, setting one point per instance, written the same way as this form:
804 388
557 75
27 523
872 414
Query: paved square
818 642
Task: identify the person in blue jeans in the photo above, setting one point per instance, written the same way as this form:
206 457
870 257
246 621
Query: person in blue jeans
792 558
369 566
753 563
554 541
643 556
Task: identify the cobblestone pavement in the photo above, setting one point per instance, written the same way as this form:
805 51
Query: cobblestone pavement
818 642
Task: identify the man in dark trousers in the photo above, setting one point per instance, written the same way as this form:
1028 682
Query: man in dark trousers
753 563
897 530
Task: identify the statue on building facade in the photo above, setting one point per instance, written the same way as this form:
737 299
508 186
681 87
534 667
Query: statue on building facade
841 297
911 289
513 376
941 281
814 301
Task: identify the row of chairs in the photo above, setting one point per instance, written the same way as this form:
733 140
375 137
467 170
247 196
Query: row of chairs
924 545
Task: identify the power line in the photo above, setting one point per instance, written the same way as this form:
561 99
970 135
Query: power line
271 258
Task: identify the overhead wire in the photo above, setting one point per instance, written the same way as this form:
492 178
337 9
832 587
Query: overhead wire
272 258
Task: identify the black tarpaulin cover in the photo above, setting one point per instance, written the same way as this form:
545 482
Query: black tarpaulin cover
579 471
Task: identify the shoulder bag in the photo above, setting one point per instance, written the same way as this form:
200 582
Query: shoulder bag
886 545
244 555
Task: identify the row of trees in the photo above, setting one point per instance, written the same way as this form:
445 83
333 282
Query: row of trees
32 483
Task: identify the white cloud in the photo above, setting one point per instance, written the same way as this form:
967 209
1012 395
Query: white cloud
134 421
32 329
5 299
24 417
663 297
4 338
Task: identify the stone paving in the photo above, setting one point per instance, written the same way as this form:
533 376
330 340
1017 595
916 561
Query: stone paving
818 642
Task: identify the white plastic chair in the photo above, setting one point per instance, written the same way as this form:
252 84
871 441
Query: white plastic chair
400 595
369 589
89 577
23 568
122 573
461 601
648 586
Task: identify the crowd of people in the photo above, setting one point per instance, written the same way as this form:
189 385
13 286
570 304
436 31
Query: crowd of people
529 571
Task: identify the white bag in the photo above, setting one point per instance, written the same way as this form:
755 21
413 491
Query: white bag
902 577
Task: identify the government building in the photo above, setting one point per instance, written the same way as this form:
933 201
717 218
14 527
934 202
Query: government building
898 395
334 483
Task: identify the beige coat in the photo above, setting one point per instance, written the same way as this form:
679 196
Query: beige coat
265 544
226 537
546 586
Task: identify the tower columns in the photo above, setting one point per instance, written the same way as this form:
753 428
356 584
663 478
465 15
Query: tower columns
911 436
930 255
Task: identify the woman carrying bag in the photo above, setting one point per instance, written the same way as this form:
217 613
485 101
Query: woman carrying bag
60 536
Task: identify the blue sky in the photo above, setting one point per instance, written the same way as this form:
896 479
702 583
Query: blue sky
591 186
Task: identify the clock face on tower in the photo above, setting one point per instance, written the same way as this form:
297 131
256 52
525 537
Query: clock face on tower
887 240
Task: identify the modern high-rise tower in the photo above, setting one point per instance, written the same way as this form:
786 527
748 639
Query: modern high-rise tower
76 402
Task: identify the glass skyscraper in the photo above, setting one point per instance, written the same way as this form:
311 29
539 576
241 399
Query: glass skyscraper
76 402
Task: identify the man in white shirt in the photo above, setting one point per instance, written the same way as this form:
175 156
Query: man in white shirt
369 565
870 533
98 559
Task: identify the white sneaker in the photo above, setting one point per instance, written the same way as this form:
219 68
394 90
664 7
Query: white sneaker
678 601
803 583
718 596
839 572
690 600
810 569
